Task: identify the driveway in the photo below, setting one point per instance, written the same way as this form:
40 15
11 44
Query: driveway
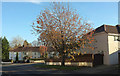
29 68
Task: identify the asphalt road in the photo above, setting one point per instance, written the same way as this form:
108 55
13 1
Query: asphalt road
29 68
25 69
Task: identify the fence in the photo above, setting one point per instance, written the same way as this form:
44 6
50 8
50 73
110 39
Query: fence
80 60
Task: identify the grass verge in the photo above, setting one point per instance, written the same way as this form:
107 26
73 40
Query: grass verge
58 67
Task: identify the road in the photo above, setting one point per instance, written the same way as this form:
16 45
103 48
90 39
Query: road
29 68
26 69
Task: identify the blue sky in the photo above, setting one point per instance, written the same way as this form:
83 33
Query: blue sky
18 16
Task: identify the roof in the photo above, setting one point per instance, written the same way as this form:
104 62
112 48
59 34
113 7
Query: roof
108 29
20 49
33 49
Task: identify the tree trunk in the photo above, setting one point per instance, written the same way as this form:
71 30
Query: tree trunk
63 55
63 59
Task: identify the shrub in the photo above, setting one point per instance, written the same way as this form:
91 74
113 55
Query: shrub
6 60
38 59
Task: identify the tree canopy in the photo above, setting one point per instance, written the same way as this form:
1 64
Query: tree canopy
5 48
36 43
62 28
25 43
16 42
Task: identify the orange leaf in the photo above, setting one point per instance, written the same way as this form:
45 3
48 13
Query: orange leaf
38 22
38 27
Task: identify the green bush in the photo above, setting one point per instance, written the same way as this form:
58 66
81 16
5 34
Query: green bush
38 59
6 60
60 67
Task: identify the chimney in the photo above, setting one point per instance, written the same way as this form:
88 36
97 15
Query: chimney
118 28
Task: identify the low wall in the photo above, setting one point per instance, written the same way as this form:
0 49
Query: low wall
72 63
6 62
37 61
80 60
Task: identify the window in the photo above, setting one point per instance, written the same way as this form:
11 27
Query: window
118 48
25 53
118 38
32 56
14 52
35 53
115 38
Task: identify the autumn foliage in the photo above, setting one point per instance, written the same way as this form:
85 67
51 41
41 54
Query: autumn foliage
42 49
63 29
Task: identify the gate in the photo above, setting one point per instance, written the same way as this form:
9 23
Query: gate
119 57
98 59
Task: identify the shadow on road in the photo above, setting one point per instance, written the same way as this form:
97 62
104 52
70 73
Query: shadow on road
29 68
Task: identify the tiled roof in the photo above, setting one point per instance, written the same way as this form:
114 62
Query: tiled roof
33 49
108 29
19 49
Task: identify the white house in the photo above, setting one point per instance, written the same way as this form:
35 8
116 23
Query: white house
32 52
108 41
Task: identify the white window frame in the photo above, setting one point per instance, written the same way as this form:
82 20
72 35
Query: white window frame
115 38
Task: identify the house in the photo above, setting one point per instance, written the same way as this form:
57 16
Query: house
108 42
32 52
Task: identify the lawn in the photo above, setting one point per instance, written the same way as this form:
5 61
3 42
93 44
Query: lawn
58 67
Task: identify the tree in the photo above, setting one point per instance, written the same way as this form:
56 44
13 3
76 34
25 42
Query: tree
25 44
0 47
36 43
43 51
5 49
29 44
17 56
61 28
16 42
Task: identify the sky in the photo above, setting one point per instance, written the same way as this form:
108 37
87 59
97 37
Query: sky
17 17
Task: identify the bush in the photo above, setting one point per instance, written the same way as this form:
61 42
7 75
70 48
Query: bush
60 67
38 59
6 60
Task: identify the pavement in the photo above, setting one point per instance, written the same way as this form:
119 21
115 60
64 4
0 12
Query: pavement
102 69
29 68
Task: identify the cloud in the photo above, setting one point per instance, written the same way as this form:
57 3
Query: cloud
89 21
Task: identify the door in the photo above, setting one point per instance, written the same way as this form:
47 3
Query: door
98 59
119 58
